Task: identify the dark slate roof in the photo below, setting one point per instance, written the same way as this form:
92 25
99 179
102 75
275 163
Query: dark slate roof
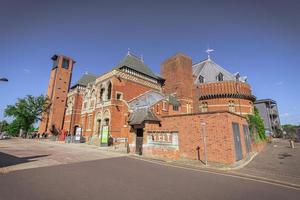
142 115
133 62
85 80
173 100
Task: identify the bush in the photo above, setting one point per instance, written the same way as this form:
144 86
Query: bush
256 126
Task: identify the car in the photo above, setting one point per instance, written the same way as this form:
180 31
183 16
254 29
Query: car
4 136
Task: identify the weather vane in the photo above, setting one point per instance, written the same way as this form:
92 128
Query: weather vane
128 51
208 51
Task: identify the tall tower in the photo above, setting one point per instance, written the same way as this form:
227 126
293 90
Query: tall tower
59 84
177 71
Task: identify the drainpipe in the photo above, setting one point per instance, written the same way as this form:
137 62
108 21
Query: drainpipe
204 141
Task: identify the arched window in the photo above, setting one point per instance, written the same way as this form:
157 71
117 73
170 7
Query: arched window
251 107
231 106
201 79
109 91
101 94
220 77
204 107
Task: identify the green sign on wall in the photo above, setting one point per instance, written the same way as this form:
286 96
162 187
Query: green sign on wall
104 135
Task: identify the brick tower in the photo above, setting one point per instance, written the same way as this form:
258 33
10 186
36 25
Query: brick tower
59 84
177 71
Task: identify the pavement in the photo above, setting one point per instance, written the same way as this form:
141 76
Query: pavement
44 170
277 161
18 154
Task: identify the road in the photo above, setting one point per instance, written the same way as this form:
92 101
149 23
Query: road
123 177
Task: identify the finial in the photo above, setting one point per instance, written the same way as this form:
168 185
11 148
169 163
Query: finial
208 52
128 51
142 58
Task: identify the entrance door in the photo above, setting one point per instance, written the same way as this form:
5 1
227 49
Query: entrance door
237 141
247 138
139 141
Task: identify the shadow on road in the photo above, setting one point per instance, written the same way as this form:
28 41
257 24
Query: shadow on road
284 155
9 160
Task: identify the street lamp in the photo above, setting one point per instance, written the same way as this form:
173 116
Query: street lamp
3 79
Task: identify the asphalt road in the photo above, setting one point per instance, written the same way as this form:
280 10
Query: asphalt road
128 178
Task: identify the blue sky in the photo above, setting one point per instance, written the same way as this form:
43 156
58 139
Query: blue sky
260 39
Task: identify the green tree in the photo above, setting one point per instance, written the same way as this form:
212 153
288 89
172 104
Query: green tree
256 126
290 130
26 112
4 126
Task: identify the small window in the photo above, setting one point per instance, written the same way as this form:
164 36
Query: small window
201 79
164 106
220 77
65 63
101 94
231 106
109 91
92 104
119 96
89 121
55 63
175 108
188 108
204 107
85 104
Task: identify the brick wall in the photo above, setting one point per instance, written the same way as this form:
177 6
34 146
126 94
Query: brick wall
177 71
219 136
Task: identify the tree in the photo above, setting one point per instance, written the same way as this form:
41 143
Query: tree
256 126
3 126
26 112
290 130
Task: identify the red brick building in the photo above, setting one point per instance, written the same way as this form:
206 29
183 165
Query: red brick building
58 88
177 115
